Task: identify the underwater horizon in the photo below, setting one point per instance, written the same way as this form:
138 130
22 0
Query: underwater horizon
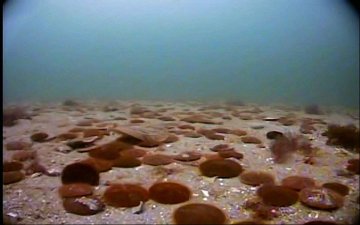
294 52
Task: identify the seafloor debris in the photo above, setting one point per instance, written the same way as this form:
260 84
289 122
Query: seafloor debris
11 115
70 102
261 211
85 206
36 167
284 146
307 125
345 136
64 149
353 166
150 136
313 109
136 109
321 198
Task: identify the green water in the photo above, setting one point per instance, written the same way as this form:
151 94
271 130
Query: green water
280 51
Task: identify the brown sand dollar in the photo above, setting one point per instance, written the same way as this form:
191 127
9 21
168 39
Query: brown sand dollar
341 189
298 182
83 206
104 152
220 147
321 198
125 195
80 173
126 161
94 132
157 160
67 136
230 153
18 145
75 190
222 168
222 130
12 177
274 134
320 222
199 213
137 121
239 132
251 140
248 222
101 165
214 136
255 178
39 137
186 126
169 193
135 152
187 156
353 166
12 166
191 134
171 138
23 155
277 196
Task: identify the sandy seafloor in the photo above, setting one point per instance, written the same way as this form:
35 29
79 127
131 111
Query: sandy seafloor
35 199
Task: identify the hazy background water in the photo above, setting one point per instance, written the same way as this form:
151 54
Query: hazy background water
264 51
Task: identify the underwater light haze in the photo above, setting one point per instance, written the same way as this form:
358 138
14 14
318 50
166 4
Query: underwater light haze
280 51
